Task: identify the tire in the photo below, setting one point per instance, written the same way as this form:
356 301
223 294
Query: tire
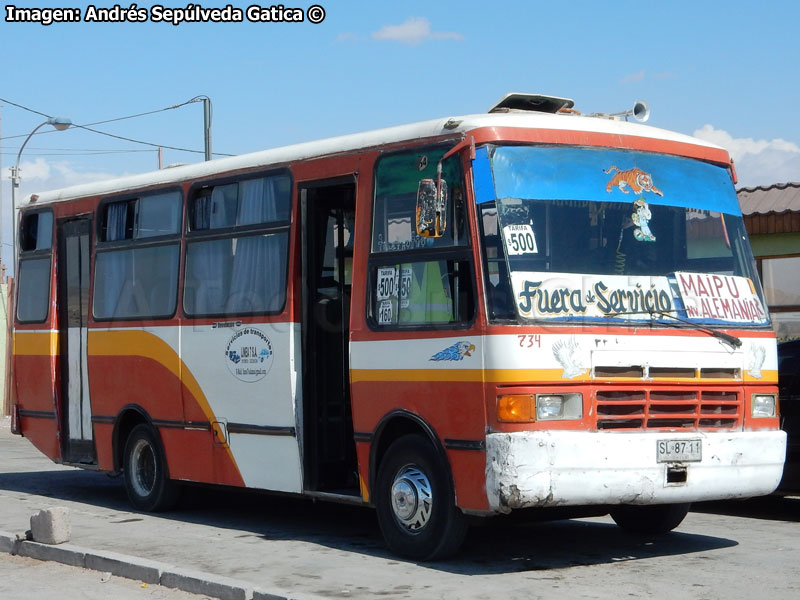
147 479
648 520
415 502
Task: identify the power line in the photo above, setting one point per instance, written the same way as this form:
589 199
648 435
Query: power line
91 153
24 108
83 149
127 139
74 151
152 112
88 126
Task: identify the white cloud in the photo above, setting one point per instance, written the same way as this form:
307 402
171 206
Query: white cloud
42 175
758 162
633 77
348 36
414 31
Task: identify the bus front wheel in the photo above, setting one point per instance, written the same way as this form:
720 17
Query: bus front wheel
415 502
654 519
147 479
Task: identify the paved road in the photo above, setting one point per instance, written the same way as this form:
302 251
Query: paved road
318 550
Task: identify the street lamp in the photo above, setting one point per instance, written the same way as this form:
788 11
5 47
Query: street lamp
60 124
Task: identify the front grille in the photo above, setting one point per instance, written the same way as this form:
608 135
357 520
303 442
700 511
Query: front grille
648 372
679 409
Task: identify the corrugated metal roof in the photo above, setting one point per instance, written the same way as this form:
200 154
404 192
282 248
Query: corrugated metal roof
776 198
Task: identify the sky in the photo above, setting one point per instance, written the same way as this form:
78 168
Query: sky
722 71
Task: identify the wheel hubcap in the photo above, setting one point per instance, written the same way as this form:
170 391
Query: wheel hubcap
412 498
143 465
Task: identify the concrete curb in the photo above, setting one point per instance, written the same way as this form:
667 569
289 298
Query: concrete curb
131 567
197 582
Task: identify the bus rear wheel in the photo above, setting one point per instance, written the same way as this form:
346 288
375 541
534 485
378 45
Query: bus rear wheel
415 502
653 519
147 479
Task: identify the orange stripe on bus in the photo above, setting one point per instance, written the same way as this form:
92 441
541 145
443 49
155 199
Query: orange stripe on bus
147 345
35 343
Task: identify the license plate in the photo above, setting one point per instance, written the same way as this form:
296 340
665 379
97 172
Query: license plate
679 451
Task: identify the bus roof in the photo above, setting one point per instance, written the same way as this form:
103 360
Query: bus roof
370 139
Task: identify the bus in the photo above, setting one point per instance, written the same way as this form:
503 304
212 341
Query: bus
447 320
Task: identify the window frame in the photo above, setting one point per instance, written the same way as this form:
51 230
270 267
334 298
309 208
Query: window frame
456 253
30 255
773 308
236 232
488 299
29 213
102 246
446 146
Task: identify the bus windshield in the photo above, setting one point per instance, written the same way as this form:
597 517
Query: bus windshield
582 234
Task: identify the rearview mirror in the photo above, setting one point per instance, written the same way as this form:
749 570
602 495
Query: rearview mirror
431 214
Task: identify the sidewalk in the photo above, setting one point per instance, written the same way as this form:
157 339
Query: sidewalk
218 543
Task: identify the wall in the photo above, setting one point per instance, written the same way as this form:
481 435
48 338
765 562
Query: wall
4 308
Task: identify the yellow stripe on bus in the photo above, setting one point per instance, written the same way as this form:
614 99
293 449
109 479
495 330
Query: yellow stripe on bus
463 375
141 343
768 377
35 343
121 343
473 375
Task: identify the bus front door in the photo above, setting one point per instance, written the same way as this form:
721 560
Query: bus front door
328 218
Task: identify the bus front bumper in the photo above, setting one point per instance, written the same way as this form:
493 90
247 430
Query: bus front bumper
573 468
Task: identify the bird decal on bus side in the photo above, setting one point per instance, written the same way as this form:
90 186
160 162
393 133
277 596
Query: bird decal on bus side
455 352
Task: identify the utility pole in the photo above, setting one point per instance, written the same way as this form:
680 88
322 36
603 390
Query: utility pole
207 125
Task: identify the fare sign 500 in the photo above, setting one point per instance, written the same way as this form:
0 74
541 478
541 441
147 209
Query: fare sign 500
520 239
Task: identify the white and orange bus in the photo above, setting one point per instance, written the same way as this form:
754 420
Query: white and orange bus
461 317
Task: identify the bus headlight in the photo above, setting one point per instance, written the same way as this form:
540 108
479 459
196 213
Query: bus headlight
559 407
527 408
763 405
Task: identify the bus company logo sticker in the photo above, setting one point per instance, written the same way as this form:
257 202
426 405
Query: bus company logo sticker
566 352
455 352
249 355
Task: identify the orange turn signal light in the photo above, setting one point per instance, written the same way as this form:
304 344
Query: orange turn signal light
516 408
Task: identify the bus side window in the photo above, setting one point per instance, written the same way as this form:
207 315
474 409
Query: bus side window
500 297
237 247
396 184
35 245
138 255
419 281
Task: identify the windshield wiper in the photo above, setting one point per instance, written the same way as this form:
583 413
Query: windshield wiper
721 335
